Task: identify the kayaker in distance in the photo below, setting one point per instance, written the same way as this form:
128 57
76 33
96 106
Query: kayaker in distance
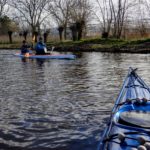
24 48
40 47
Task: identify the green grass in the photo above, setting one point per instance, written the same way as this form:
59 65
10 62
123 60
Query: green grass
97 41
137 42
93 43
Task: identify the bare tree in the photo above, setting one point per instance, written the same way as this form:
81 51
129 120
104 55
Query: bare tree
113 14
119 12
73 13
146 3
141 19
105 17
2 6
60 9
80 15
32 12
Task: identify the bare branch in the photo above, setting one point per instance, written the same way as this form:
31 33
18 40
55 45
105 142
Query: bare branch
31 10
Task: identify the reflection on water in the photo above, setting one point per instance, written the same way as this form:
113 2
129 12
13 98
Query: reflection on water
61 104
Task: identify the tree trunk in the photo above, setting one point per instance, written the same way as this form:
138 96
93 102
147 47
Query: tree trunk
79 34
60 35
79 27
45 35
25 33
61 29
105 35
74 32
65 33
34 36
10 36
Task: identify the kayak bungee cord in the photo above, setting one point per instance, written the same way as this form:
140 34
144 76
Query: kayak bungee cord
122 136
135 101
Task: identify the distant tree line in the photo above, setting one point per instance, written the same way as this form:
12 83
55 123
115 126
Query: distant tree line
31 15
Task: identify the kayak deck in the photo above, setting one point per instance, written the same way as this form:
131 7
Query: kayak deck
129 123
49 56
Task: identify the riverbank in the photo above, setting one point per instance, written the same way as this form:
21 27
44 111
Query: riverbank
95 45
114 49
105 45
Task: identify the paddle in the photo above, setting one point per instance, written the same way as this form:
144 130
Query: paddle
52 48
49 52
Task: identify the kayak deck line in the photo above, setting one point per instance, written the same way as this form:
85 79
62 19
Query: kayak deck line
129 123
47 56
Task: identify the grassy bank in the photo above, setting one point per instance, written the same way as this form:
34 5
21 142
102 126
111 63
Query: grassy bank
104 45
97 44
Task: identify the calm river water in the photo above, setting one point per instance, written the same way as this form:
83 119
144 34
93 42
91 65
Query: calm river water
61 104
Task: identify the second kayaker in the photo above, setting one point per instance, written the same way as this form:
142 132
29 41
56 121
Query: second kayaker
25 48
40 47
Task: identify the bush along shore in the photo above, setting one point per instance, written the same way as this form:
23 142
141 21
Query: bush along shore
94 45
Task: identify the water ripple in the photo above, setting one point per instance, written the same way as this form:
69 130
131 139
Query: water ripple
60 104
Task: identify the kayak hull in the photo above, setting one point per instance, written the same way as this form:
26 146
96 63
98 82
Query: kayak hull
52 56
129 124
